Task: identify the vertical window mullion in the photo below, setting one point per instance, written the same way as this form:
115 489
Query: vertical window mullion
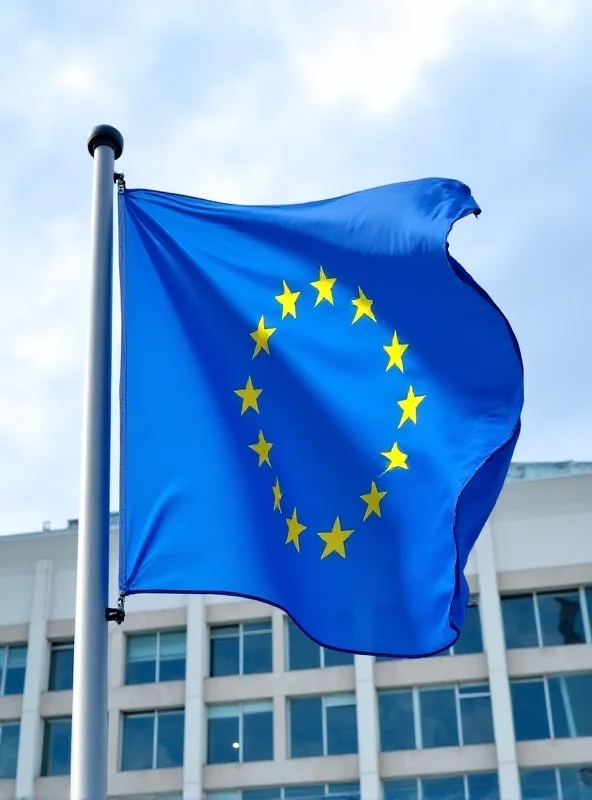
241 649
416 718
586 621
558 785
241 727
321 656
157 659
3 663
549 709
324 724
457 703
466 784
155 740
537 619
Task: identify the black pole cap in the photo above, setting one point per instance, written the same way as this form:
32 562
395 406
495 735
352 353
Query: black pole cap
105 134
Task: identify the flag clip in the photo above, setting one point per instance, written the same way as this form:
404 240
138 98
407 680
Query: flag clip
119 179
116 614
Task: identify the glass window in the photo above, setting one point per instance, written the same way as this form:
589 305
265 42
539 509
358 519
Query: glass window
342 730
561 618
141 659
344 791
171 661
316 790
155 657
323 725
257 734
55 757
303 653
153 740
306 727
272 793
449 788
137 742
13 662
9 741
223 734
571 705
61 666
240 649
576 782
240 732
335 791
530 710
439 725
483 786
588 595
395 713
401 789
519 621
470 640
475 714
538 784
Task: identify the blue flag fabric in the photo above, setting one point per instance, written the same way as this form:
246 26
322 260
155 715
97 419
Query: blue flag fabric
318 409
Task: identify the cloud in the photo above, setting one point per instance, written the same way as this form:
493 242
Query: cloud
260 102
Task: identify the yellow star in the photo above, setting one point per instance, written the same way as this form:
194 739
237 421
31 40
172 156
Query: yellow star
324 287
335 540
249 396
363 307
287 300
277 496
409 406
396 458
372 499
294 530
395 352
262 449
261 337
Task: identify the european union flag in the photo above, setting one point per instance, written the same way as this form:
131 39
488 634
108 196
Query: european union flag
318 405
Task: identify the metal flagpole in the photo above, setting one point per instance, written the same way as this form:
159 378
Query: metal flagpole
88 779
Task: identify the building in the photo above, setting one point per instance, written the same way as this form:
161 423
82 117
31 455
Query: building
225 700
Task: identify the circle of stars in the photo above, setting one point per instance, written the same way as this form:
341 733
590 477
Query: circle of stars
335 539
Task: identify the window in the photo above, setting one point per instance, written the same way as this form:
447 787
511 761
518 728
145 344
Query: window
322 726
556 707
61 666
314 791
55 757
469 641
443 716
9 742
243 649
13 662
155 657
303 653
152 740
546 619
242 732
478 786
566 783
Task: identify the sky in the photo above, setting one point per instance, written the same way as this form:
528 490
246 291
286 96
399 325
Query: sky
261 101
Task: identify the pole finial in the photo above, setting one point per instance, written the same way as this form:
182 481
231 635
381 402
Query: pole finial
105 134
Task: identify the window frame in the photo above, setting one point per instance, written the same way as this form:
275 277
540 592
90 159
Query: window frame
416 705
55 646
11 723
158 634
324 706
46 723
327 794
240 706
534 596
155 712
419 785
241 646
322 650
547 694
4 653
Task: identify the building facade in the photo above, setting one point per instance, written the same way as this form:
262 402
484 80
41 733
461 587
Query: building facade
214 698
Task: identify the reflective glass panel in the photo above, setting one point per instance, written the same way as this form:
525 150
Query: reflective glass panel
561 618
306 727
438 717
519 621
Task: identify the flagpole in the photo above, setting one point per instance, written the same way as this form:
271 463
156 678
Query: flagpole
88 774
